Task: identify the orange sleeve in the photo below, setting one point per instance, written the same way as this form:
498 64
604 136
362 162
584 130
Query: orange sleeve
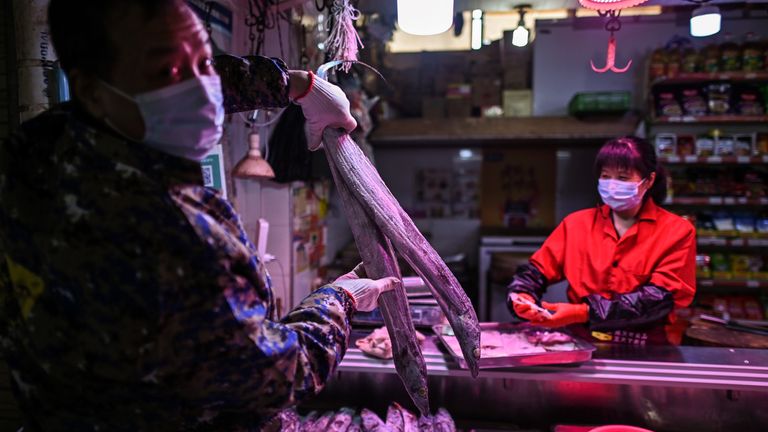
549 259
676 272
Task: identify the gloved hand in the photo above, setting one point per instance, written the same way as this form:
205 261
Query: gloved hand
356 273
523 310
365 292
564 314
324 105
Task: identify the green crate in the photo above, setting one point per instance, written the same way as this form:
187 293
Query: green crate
599 103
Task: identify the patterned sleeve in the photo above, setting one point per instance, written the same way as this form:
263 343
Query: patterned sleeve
252 82
227 350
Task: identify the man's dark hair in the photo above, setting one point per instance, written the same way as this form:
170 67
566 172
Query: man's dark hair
80 31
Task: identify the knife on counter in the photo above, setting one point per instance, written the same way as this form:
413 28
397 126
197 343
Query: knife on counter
735 325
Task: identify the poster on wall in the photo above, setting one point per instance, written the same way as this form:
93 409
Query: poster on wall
518 188
213 170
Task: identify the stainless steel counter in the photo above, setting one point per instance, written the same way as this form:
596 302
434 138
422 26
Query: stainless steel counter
661 388
704 367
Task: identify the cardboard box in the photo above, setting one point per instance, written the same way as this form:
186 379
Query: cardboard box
432 107
458 108
518 103
486 92
517 77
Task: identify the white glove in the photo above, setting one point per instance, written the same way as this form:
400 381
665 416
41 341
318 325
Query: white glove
324 106
365 292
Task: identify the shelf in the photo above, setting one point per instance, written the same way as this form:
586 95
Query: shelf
726 118
421 132
717 201
715 160
726 283
697 77
705 240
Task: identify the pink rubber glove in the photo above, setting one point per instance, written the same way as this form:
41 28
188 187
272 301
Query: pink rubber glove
564 314
324 105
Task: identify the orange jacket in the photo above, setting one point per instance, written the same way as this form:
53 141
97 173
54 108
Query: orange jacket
659 249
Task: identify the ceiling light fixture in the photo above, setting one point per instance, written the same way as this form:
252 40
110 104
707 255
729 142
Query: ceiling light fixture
705 20
424 17
521 35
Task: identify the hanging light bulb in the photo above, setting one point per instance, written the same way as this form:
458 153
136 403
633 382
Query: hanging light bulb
253 165
424 17
521 34
705 21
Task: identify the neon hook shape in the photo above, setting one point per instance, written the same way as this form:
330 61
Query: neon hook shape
610 60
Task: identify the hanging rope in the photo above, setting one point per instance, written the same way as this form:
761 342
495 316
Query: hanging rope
343 41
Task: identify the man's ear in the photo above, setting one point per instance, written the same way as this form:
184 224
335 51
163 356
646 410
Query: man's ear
87 89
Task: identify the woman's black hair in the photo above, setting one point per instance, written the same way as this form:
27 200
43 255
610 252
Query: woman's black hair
631 152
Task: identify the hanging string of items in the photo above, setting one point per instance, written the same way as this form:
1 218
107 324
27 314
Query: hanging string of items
343 42
263 15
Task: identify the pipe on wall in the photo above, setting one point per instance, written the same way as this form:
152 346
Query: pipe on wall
34 58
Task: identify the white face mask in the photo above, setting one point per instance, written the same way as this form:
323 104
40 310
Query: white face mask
620 195
185 119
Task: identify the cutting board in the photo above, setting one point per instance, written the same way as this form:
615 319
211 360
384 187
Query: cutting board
715 334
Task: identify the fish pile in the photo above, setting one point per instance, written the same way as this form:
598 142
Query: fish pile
380 227
398 419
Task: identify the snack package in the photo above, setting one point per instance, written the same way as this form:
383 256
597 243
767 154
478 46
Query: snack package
693 102
719 95
744 223
711 55
740 265
749 102
658 64
761 144
674 60
666 144
761 224
730 55
752 59
705 145
703 266
743 144
686 145
724 146
691 61
723 222
721 266
667 105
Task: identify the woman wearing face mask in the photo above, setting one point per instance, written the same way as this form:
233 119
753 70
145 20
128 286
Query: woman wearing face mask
629 263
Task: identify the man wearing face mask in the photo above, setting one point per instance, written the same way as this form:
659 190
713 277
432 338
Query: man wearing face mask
130 296
629 263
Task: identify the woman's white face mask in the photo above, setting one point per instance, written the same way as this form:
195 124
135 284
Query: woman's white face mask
185 119
620 195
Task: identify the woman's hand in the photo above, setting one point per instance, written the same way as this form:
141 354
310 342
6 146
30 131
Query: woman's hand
564 314
522 309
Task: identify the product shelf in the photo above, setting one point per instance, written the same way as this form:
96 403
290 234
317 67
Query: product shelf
726 118
715 160
717 201
708 240
731 283
697 77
